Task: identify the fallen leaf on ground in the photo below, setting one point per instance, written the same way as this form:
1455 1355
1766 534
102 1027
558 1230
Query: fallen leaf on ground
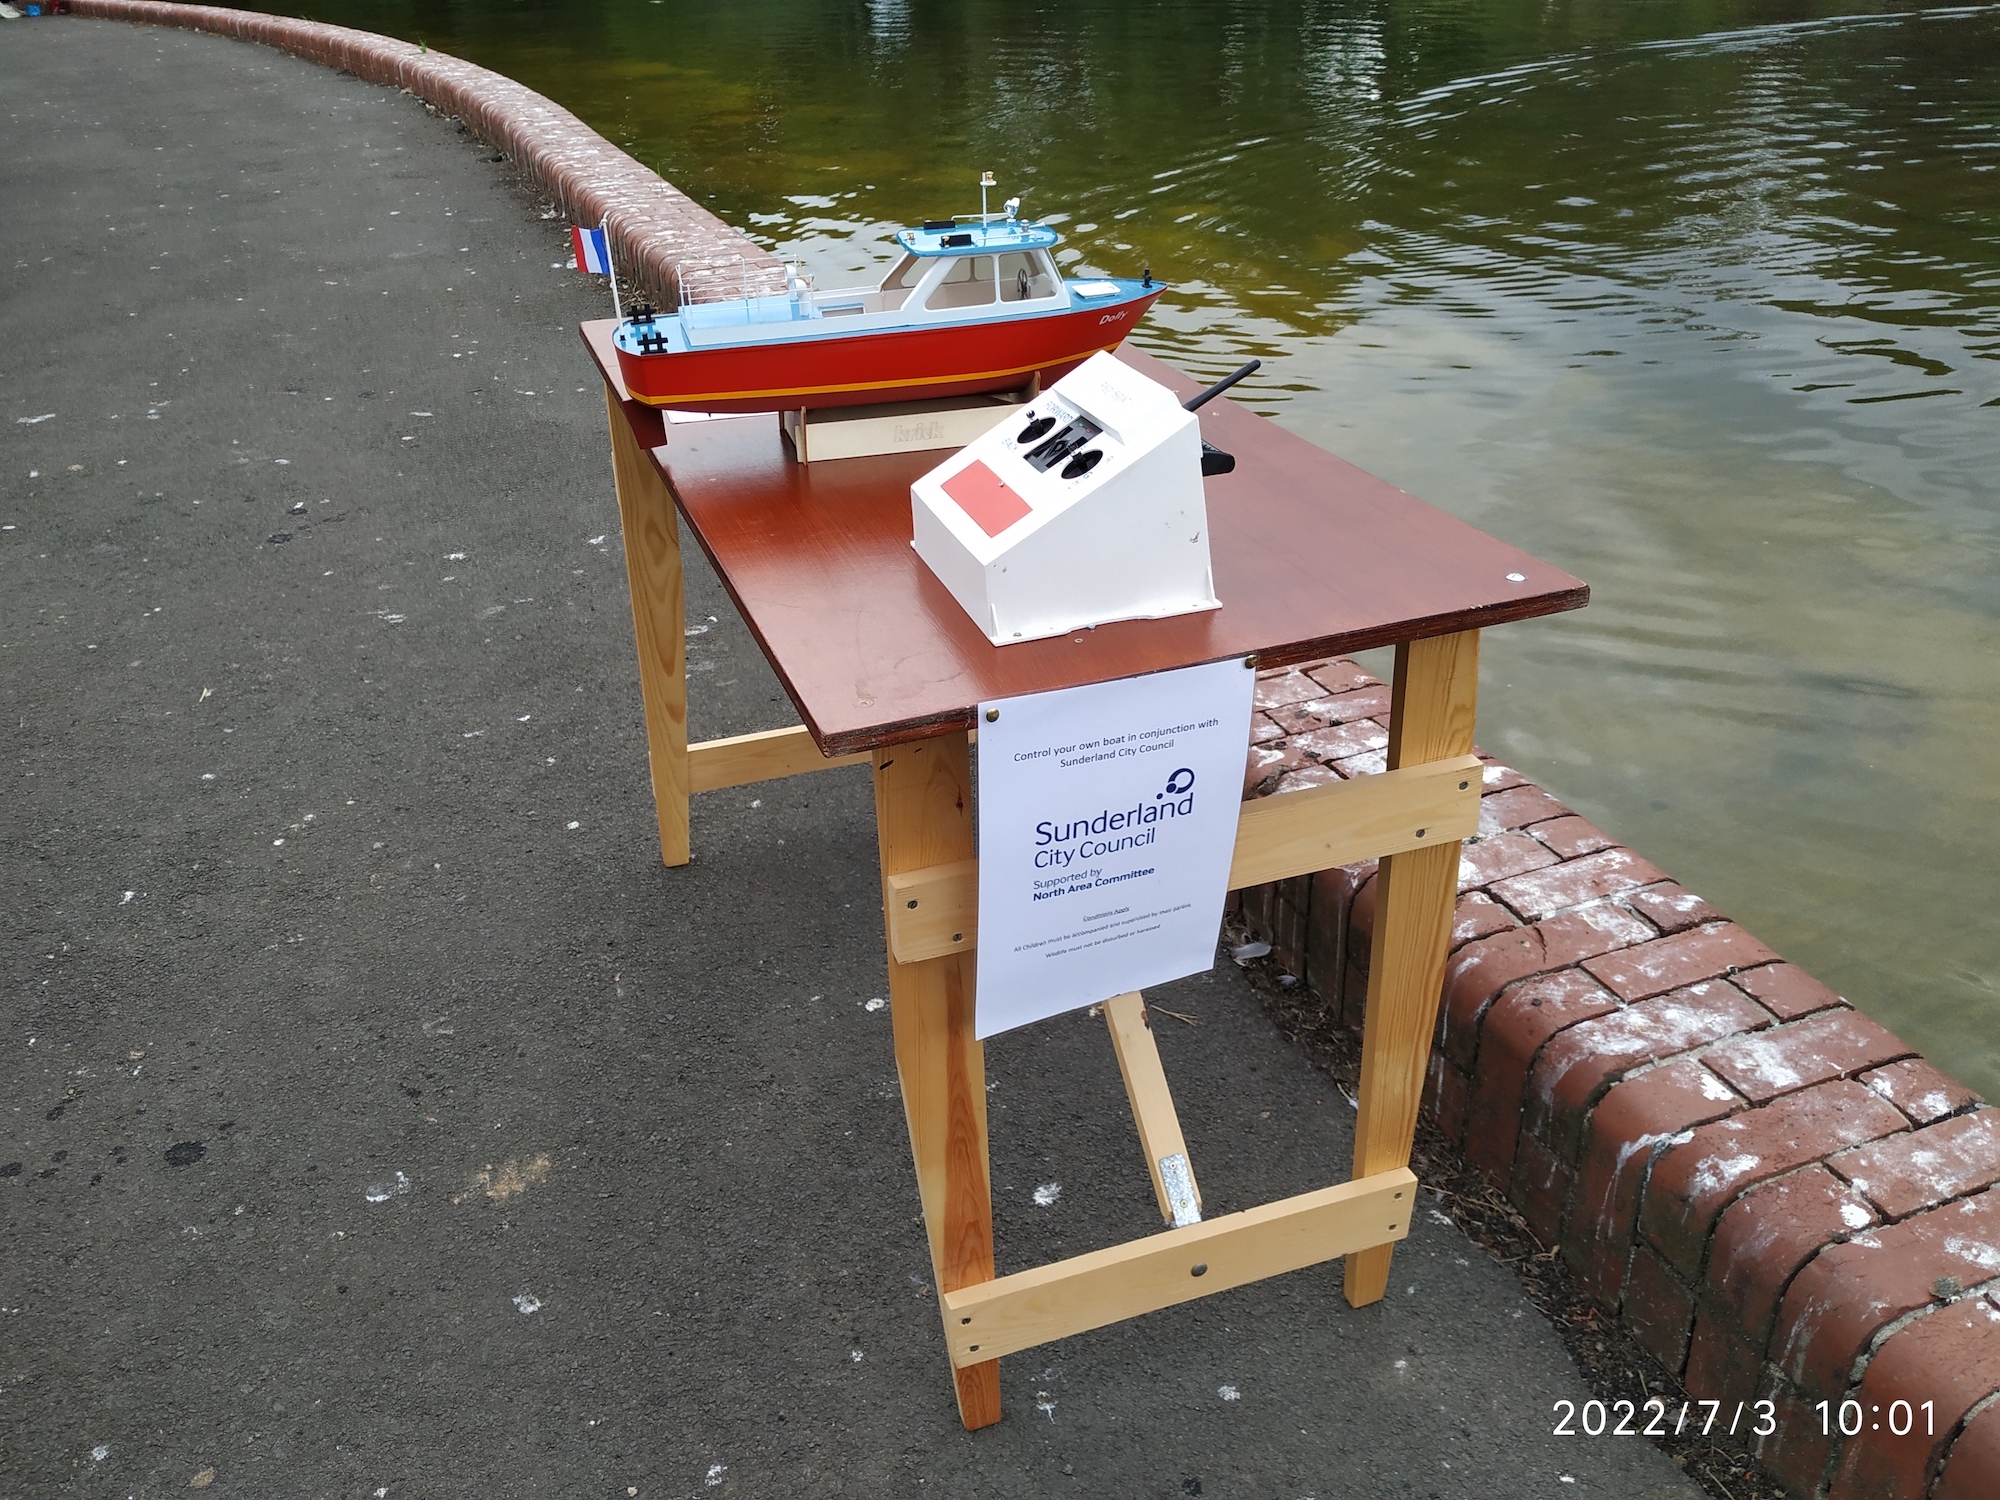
513 1178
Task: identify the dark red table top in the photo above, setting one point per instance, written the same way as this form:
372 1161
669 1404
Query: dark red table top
1311 557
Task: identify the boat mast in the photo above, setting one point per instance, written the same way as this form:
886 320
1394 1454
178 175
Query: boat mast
611 265
986 180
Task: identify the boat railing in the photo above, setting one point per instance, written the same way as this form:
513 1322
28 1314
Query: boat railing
704 283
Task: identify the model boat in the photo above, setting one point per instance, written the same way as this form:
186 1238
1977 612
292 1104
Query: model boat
969 307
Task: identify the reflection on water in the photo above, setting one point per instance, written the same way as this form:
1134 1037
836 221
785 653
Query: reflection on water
1696 299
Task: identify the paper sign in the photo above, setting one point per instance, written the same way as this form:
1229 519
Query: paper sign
1107 821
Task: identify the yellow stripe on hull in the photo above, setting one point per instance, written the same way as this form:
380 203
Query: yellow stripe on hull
677 401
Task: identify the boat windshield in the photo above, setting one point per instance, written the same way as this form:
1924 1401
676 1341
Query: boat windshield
1026 275
968 282
905 274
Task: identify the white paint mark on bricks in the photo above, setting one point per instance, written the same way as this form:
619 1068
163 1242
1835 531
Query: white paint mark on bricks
1980 1253
1228 1393
1047 1193
528 1303
715 1473
1714 1088
1718 1173
382 1192
1767 1060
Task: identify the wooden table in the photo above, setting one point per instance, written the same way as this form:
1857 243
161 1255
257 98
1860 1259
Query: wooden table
1312 558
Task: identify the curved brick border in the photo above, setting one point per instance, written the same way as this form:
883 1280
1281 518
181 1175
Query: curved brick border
1778 1197
657 230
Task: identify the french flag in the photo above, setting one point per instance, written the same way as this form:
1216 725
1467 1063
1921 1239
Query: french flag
593 250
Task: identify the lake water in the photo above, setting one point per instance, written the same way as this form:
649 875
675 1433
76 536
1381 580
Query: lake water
1694 299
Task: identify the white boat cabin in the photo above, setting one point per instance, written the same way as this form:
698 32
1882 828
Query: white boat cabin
1004 266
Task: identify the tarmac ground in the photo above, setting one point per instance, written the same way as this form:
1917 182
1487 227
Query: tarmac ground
382 1119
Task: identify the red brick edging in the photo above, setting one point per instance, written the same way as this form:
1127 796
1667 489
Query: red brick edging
1779 1198
657 230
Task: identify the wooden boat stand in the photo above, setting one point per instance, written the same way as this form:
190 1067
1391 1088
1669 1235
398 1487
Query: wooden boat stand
945 423
1412 817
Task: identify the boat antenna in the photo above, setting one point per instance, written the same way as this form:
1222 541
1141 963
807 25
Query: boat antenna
1204 397
986 180
611 263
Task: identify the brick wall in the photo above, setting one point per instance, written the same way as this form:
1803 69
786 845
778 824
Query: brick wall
1779 1198
658 233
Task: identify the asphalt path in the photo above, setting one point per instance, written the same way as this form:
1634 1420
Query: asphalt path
382 1119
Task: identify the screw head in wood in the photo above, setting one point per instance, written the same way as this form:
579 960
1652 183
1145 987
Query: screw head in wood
1199 1268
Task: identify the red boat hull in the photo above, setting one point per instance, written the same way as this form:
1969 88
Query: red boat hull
865 369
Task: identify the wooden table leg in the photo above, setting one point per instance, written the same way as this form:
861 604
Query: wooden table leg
923 816
653 573
1435 697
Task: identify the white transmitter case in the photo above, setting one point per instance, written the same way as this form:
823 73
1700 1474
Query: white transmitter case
1084 508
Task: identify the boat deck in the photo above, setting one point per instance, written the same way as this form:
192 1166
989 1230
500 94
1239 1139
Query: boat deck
768 319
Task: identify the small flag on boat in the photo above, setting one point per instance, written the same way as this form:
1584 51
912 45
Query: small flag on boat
593 250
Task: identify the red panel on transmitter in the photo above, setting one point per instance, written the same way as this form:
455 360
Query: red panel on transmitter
984 496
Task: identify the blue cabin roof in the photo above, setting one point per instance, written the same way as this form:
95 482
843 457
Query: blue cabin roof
971 238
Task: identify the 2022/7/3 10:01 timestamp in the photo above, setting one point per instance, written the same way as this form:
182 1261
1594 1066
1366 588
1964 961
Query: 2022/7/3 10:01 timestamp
1657 1418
